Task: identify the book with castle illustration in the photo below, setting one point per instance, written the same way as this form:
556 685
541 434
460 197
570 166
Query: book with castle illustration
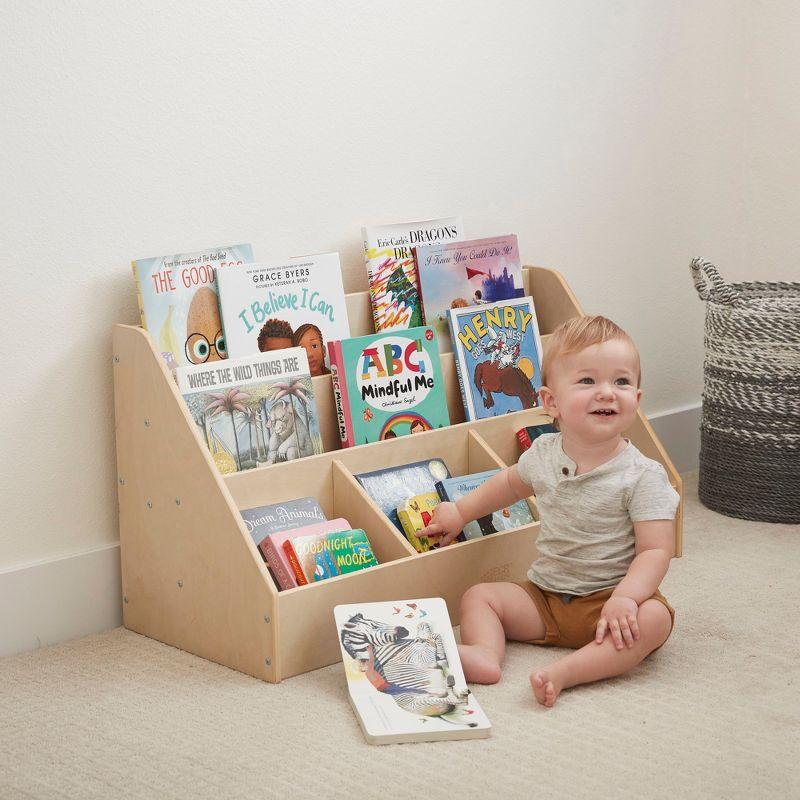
460 274
392 271
497 353
178 302
403 672
387 384
297 302
253 411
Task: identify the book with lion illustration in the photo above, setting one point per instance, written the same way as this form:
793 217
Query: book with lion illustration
497 352
253 411
178 302
403 673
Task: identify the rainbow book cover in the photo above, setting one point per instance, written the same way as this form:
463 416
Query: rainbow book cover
460 274
403 672
178 302
497 351
253 411
387 385
392 271
297 302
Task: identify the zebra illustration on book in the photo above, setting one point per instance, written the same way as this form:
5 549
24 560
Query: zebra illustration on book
414 672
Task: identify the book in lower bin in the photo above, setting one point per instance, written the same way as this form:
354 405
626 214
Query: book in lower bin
414 514
297 302
327 555
497 353
277 557
253 411
403 672
503 519
466 273
391 487
387 385
530 433
179 305
392 271
263 520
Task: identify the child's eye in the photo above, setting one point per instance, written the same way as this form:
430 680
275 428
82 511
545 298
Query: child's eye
587 381
622 382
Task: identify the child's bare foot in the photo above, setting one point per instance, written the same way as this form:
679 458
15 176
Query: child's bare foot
481 664
547 685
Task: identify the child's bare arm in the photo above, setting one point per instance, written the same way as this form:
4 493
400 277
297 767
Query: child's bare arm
654 546
500 491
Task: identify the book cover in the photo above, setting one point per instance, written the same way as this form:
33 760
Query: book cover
414 515
387 385
503 519
470 273
178 302
323 555
253 411
530 433
392 271
351 550
497 352
263 520
391 487
298 302
272 548
403 672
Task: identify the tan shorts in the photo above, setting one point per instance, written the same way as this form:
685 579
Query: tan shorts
573 622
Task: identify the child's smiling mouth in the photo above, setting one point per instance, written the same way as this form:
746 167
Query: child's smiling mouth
604 412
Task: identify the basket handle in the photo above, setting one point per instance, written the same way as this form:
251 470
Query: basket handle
709 283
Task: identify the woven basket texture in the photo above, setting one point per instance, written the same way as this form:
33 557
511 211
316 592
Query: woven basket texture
750 429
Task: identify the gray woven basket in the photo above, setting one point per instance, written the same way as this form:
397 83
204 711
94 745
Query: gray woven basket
750 430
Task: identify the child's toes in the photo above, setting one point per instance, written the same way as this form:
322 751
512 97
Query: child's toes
549 694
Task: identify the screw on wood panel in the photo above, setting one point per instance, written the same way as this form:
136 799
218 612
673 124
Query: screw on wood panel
116 359
180 584
267 662
177 501
124 598
122 481
266 618
147 423
149 503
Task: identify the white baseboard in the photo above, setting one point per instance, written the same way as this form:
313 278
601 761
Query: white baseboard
679 432
52 601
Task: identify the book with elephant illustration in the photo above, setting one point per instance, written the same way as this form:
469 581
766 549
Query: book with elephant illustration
297 302
387 385
498 354
404 675
392 270
178 302
253 411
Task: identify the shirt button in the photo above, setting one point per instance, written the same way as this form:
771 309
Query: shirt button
564 471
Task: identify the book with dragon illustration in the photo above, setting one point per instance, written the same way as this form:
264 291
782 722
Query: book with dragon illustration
178 302
504 519
387 385
497 352
469 273
392 271
253 411
297 302
403 672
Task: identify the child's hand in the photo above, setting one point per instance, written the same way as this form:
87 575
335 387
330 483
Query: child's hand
445 525
618 617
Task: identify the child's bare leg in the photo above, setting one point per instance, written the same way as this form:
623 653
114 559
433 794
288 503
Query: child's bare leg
594 662
490 613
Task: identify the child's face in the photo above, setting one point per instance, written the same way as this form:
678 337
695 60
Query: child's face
593 393
312 343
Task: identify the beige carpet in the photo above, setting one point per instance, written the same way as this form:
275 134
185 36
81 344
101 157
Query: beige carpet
716 713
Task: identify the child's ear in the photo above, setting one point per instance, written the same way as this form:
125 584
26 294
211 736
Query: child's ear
548 401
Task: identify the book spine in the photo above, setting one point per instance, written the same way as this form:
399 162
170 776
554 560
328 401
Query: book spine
524 439
375 318
273 556
139 299
339 384
469 409
294 562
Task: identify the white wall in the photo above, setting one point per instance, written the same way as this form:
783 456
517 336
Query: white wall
617 139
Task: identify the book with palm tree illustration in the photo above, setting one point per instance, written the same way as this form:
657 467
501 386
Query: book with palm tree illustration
253 411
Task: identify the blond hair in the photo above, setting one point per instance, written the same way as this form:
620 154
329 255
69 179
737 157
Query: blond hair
577 334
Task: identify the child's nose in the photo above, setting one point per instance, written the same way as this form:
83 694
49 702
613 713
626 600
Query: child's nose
605 390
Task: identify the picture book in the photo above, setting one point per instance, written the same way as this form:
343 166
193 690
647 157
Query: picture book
403 673
291 514
253 411
391 269
298 302
470 273
276 556
326 555
414 514
497 351
387 385
391 487
530 433
178 302
504 519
